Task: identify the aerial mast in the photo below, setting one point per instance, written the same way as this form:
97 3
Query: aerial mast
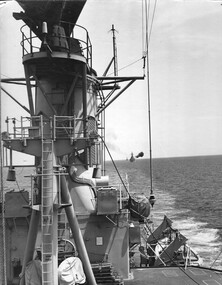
114 51
146 60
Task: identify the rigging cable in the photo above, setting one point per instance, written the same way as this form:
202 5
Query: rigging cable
117 171
126 66
146 61
151 25
3 276
216 259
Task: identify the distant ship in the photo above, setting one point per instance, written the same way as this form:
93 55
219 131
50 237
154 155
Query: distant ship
132 158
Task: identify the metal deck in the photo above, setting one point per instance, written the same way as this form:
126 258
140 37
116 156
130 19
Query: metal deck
174 276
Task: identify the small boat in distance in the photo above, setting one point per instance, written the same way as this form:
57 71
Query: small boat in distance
132 158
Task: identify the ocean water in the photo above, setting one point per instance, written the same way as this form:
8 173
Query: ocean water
189 191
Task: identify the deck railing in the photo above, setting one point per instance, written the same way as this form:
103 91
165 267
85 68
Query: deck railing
59 127
75 35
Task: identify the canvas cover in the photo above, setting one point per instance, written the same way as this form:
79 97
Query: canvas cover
139 206
71 272
33 273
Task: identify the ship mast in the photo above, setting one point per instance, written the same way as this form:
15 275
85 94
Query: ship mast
3 277
152 198
114 51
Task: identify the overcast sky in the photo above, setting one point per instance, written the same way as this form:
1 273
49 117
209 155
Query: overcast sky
185 73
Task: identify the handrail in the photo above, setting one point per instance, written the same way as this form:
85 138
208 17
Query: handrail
67 126
31 43
60 126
